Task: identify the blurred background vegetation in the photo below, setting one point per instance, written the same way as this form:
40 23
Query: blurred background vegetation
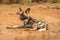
26 1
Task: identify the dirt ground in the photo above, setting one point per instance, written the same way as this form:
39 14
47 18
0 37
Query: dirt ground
45 12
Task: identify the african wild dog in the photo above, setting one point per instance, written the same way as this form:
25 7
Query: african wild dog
31 23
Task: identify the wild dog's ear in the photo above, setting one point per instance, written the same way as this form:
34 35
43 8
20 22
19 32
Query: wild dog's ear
20 9
27 10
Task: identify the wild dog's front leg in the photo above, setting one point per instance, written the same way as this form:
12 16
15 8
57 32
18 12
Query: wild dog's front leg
15 26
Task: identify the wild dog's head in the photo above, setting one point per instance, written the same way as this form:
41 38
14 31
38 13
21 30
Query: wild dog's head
24 14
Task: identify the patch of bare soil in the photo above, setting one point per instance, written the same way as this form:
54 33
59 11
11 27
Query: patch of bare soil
43 12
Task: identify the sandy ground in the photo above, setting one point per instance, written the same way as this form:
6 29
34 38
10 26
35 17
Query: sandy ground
43 12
